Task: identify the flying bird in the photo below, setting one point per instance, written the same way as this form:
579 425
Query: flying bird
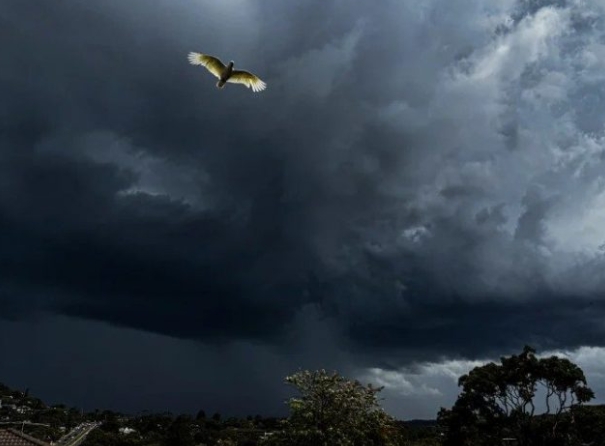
227 73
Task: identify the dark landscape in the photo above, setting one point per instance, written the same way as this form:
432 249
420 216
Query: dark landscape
497 405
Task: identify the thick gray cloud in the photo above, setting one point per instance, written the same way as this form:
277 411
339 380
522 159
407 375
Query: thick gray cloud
92 365
425 177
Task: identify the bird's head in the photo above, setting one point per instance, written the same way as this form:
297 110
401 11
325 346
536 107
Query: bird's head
231 63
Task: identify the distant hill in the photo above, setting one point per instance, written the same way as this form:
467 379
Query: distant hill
421 423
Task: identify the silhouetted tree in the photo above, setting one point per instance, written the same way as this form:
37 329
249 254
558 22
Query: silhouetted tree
179 433
588 424
500 400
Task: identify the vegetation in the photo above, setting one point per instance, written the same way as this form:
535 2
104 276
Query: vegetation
333 411
499 400
536 402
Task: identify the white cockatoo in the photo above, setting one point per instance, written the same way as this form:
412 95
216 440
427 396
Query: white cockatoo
227 73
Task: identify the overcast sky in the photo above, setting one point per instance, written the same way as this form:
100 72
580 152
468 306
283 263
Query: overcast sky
419 189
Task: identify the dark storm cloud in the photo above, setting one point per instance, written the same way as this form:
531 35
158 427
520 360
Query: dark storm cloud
410 169
148 261
138 260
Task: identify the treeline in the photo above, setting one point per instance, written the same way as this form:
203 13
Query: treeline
521 400
527 400
341 410
165 429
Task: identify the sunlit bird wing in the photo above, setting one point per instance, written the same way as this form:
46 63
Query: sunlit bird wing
212 64
247 79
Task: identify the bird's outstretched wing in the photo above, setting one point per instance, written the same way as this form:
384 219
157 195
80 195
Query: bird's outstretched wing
247 79
212 64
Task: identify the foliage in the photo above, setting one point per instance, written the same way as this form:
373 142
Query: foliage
98 437
334 411
589 424
499 400
179 432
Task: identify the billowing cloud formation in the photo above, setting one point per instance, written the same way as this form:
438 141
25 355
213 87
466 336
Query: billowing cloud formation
419 390
428 176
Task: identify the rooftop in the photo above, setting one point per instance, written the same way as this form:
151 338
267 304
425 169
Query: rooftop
12 437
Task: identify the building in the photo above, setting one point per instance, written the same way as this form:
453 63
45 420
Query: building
13 437
126 430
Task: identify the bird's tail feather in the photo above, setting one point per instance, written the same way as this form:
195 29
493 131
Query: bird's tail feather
220 84
195 58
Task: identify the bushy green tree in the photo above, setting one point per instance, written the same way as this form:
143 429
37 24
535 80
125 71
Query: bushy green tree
499 400
333 411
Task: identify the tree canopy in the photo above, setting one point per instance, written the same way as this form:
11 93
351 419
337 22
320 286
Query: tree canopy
500 400
333 411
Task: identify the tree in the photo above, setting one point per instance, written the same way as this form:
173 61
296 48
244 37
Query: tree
179 433
333 411
201 415
589 423
499 400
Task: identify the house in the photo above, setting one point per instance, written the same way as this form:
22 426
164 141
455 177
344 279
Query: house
126 430
13 437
